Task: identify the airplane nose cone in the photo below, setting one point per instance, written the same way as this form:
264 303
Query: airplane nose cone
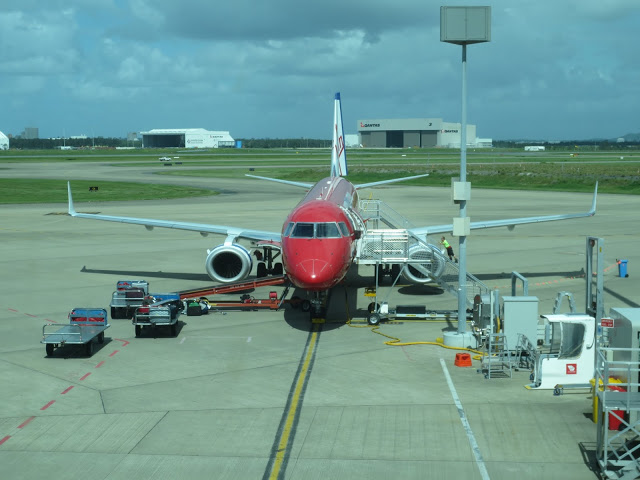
314 274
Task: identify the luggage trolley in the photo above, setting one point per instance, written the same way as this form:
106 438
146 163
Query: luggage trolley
85 325
164 312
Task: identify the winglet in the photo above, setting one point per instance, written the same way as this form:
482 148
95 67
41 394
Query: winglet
338 153
593 205
72 210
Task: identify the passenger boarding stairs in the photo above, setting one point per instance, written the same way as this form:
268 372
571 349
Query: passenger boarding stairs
387 241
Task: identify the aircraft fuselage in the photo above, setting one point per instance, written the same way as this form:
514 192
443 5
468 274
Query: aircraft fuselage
318 236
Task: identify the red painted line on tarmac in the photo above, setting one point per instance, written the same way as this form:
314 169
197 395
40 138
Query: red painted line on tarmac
67 390
85 376
26 422
124 342
13 310
48 405
30 315
113 353
5 439
100 364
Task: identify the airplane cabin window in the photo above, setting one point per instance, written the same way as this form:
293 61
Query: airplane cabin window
303 230
327 230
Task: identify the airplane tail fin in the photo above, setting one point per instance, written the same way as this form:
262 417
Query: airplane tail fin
338 153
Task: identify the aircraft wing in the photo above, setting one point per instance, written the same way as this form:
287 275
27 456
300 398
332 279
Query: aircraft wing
358 187
203 228
384 182
510 223
286 182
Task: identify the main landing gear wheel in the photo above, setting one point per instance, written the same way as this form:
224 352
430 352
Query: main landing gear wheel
372 307
305 306
295 301
261 270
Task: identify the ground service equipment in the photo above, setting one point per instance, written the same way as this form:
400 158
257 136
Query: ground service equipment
128 296
85 324
164 311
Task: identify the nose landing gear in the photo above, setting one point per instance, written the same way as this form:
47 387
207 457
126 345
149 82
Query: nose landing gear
318 306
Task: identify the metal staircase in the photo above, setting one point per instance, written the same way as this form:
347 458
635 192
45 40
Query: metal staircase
387 240
497 362
618 411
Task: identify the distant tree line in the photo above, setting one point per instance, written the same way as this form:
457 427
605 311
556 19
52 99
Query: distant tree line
284 143
589 145
107 142
103 142
50 143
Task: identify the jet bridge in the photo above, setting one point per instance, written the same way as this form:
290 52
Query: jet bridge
388 242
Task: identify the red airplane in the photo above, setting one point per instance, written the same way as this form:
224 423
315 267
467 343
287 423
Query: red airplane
318 241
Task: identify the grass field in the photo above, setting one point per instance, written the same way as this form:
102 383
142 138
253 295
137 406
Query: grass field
18 191
617 172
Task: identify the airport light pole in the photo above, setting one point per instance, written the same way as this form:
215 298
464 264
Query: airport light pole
463 26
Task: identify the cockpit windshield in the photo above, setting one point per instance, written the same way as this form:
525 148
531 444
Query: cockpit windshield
314 230
327 230
303 230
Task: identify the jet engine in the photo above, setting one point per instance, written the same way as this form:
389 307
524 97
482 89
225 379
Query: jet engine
229 263
432 267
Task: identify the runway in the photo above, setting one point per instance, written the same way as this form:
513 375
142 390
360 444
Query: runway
257 395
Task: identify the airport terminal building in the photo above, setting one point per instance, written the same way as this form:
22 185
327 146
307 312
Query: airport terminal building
416 133
185 138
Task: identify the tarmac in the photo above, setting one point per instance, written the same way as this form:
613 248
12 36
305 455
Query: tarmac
267 394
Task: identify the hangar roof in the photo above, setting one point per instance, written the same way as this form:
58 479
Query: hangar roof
175 131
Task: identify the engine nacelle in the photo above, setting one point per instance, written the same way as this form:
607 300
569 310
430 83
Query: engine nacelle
229 263
433 265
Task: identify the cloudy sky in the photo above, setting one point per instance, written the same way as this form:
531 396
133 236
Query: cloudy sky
554 69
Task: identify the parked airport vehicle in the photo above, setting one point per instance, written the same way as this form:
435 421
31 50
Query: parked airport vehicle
85 325
158 310
128 296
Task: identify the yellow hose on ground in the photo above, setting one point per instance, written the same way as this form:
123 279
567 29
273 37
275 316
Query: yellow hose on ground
395 342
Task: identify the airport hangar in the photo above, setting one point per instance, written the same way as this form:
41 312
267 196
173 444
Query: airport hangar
186 138
416 133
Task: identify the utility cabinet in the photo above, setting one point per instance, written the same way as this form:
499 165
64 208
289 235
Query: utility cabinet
519 317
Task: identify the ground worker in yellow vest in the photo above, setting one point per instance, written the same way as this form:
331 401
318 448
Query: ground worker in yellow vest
445 244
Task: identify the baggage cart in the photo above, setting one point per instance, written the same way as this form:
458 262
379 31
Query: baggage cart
85 325
163 312
129 295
